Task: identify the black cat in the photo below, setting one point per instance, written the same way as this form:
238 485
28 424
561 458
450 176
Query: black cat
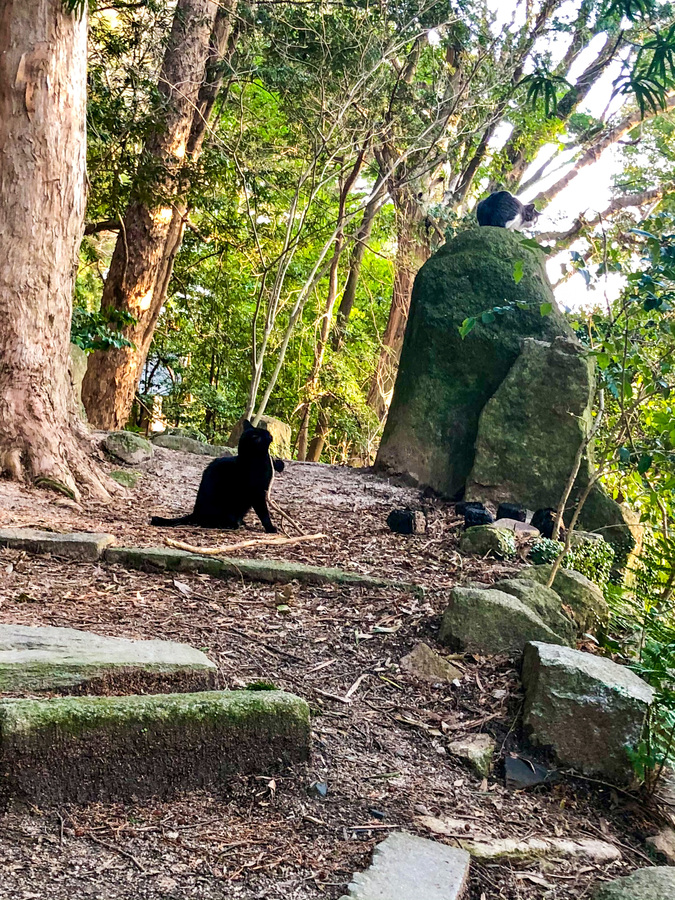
503 210
230 486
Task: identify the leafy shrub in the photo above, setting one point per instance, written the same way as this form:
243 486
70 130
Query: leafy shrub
100 330
591 558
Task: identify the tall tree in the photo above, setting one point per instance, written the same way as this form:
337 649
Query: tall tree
43 66
152 226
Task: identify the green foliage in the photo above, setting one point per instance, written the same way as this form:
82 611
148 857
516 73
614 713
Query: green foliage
100 330
593 559
542 86
642 634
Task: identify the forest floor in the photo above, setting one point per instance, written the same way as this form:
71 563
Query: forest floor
379 736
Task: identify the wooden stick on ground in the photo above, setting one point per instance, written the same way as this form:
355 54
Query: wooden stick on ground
255 542
284 515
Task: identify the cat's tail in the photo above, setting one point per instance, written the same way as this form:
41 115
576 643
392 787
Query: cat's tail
170 523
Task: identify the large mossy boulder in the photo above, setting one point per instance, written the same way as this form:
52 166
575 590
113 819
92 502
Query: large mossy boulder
544 602
581 596
529 434
444 381
128 447
588 710
489 621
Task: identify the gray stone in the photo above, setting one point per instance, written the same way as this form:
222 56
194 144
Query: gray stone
427 665
481 540
443 381
280 431
77 369
585 537
64 660
544 848
490 621
657 883
529 434
662 845
88 749
544 602
130 448
477 750
521 529
406 867
78 545
275 571
587 709
583 597
190 445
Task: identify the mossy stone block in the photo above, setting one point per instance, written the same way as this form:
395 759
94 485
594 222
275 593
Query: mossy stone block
128 447
77 545
481 540
656 883
580 594
86 749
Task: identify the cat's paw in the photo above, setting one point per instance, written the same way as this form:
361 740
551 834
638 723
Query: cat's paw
270 529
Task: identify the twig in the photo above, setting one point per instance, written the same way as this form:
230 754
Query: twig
255 542
119 850
284 515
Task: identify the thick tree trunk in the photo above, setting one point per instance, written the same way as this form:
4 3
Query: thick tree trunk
153 226
412 252
43 69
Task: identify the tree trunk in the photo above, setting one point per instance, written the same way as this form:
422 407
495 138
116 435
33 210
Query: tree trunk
412 252
43 70
153 225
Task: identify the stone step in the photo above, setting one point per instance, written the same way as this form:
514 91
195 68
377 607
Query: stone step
65 660
274 571
405 867
78 545
84 749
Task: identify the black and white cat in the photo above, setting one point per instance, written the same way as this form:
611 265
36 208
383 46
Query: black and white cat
231 485
503 210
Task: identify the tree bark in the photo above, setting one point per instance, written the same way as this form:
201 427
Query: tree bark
153 224
412 252
43 70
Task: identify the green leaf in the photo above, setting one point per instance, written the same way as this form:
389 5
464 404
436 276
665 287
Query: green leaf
487 317
603 360
518 271
467 326
644 463
624 454
545 309
533 244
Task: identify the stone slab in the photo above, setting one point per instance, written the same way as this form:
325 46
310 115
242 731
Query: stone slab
657 883
190 445
274 571
66 660
86 749
406 867
586 708
85 546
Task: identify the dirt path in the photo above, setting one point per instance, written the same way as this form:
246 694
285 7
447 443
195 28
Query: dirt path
381 755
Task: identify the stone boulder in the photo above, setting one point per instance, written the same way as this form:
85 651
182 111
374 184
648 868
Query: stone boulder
128 447
444 381
587 709
482 540
529 433
657 883
489 621
65 660
583 597
189 445
476 750
544 602
280 431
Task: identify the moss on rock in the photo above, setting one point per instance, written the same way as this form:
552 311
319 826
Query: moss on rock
92 748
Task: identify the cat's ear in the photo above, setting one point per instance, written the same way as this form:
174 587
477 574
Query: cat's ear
531 210
247 425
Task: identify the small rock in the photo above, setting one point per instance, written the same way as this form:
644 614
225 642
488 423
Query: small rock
586 708
663 845
126 479
499 694
521 529
511 511
427 665
320 788
129 447
657 883
490 621
521 773
477 750
542 848
482 540
407 521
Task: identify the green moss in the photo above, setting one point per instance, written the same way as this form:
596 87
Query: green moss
126 479
483 539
